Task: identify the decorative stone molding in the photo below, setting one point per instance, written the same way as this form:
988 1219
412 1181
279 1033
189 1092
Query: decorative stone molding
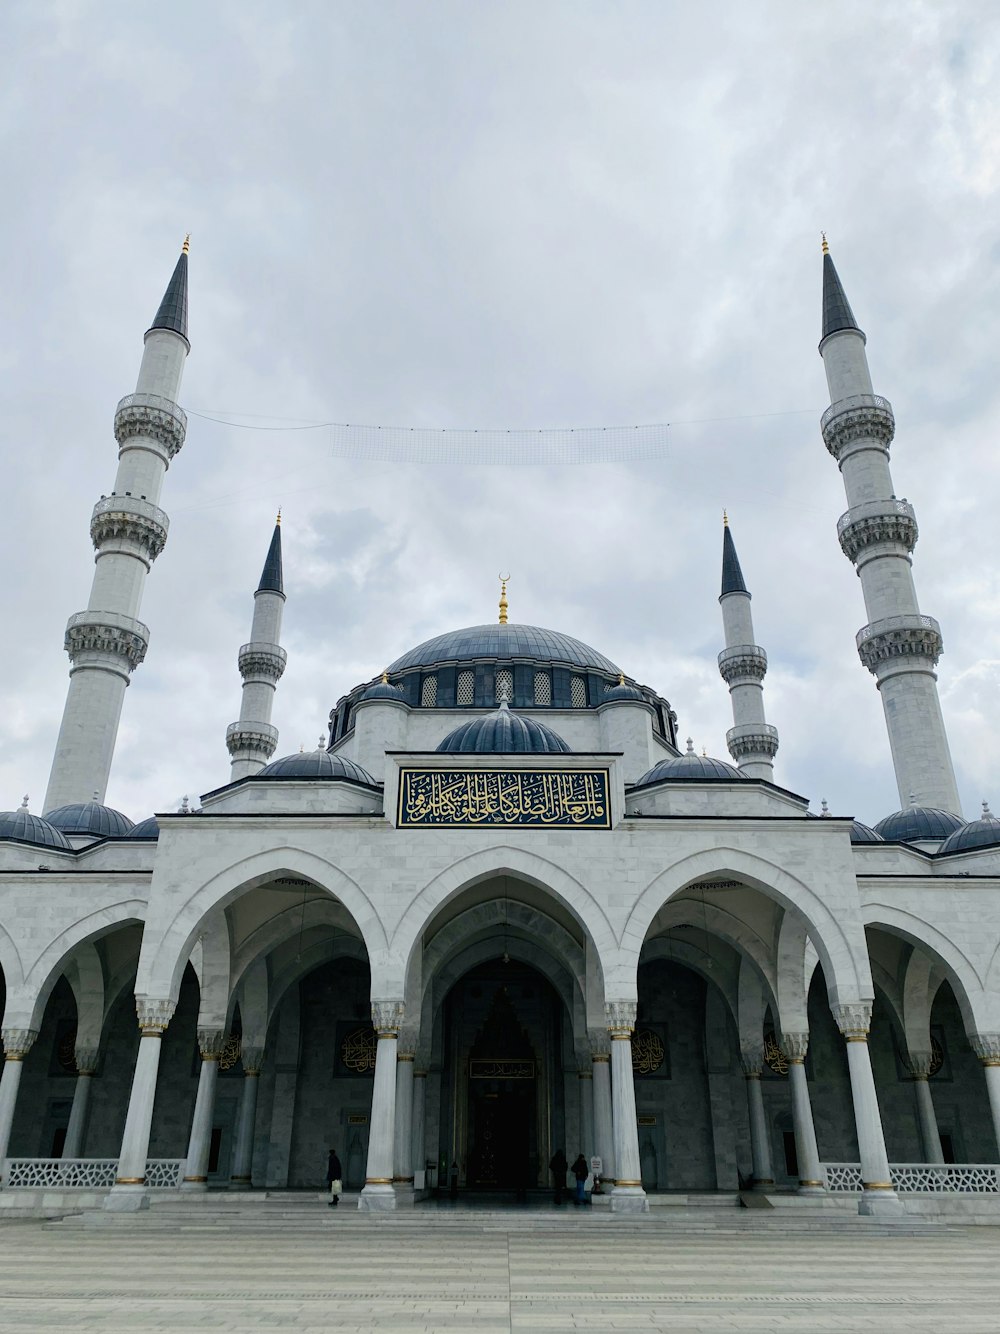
743 664
859 418
153 1015
129 525
86 1060
620 1017
854 1019
253 1059
600 1044
877 523
899 637
151 417
17 1042
752 1059
920 1063
387 1017
795 1046
750 740
102 638
211 1042
987 1047
251 741
261 662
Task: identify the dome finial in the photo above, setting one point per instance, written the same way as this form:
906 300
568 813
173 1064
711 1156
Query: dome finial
621 678
690 746
186 247
24 802
987 813
824 808
504 580
826 248
322 741
725 519
277 522
385 677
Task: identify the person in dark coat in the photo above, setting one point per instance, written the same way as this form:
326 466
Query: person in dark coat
334 1178
557 1166
580 1171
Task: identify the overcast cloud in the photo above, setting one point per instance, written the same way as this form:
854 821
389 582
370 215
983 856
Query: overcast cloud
505 215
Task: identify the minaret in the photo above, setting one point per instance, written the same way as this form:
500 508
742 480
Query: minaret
106 642
252 740
899 646
753 742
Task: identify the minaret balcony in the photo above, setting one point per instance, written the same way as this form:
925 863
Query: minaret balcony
742 665
896 637
151 417
251 741
106 639
129 525
857 420
262 662
877 523
752 741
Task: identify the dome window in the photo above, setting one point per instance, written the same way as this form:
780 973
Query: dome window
578 692
543 688
505 685
429 692
465 695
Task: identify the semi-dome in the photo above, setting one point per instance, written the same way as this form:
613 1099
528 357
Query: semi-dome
699 768
623 691
316 764
981 833
504 733
384 689
148 828
90 818
28 828
918 824
510 642
862 833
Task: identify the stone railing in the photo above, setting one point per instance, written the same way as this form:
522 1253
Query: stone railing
84 1173
923 1178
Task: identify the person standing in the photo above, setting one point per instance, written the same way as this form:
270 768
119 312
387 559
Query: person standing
334 1178
557 1166
580 1171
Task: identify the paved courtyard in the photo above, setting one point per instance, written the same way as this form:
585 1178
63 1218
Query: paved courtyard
317 1269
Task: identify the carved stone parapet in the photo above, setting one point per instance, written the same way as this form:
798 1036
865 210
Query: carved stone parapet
210 1043
859 418
153 1015
752 739
86 1060
251 741
752 1058
17 1042
877 523
896 637
262 662
103 638
620 1017
987 1047
743 664
253 1059
854 1019
387 1017
795 1045
151 417
129 525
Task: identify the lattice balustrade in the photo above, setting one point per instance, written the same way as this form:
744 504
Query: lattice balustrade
843 1176
164 1173
85 1173
922 1178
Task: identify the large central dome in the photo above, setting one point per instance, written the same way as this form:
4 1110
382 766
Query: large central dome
509 643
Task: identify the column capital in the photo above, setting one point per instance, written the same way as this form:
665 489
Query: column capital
854 1019
387 1017
153 1015
17 1042
600 1044
253 1058
406 1056
620 1017
920 1063
210 1043
987 1047
86 1060
752 1059
795 1046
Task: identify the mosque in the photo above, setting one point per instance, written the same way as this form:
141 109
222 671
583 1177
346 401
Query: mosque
502 910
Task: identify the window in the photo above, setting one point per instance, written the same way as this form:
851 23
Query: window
429 692
466 692
543 688
578 692
505 685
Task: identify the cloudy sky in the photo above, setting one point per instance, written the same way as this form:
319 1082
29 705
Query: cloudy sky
510 216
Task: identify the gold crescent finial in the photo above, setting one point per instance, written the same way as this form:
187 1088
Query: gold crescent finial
385 677
826 248
277 522
186 247
621 678
725 519
504 580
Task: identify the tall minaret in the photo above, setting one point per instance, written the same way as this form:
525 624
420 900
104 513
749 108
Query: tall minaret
252 740
106 643
753 742
899 646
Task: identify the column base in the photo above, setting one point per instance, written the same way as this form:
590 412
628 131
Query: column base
629 1200
810 1188
126 1199
240 1183
404 1193
765 1183
195 1184
377 1197
882 1204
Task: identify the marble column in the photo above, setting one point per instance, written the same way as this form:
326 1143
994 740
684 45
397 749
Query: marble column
418 1134
628 1195
586 1082
811 1179
987 1048
210 1041
242 1172
378 1194
76 1131
17 1042
930 1138
752 1060
878 1195
402 1136
604 1143
129 1191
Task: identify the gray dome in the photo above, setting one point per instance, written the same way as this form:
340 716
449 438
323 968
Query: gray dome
28 828
862 833
623 691
981 833
504 733
384 690
148 828
699 768
918 824
316 764
91 818
504 643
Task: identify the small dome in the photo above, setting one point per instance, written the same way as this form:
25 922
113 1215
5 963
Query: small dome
862 833
90 817
981 833
28 828
316 764
148 828
623 691
504 733
918 824
384 689
695 768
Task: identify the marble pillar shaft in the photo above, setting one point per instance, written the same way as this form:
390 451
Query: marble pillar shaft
242 1172
867 1119
200 1142
402 1151
588 1146
378 1192
139 1120
806 1151
760 1140
991 1069
418 1133
76 1131
628 1192
10 1082
929 1134
603 1123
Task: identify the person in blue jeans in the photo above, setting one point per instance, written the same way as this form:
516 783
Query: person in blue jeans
581 1171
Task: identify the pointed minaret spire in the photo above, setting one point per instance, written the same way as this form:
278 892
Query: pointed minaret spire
252 740
753 742
107 642
900 646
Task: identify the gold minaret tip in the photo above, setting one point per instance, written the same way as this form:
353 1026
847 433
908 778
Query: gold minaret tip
385 677
826 248
621 678
504 580
277 522
186 247
725 519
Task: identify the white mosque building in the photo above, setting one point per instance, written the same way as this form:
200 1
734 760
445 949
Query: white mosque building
501 910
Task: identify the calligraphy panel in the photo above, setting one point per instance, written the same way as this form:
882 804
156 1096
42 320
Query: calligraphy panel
502 798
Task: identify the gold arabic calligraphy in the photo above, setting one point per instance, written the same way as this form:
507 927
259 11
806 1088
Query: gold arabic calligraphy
577 799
